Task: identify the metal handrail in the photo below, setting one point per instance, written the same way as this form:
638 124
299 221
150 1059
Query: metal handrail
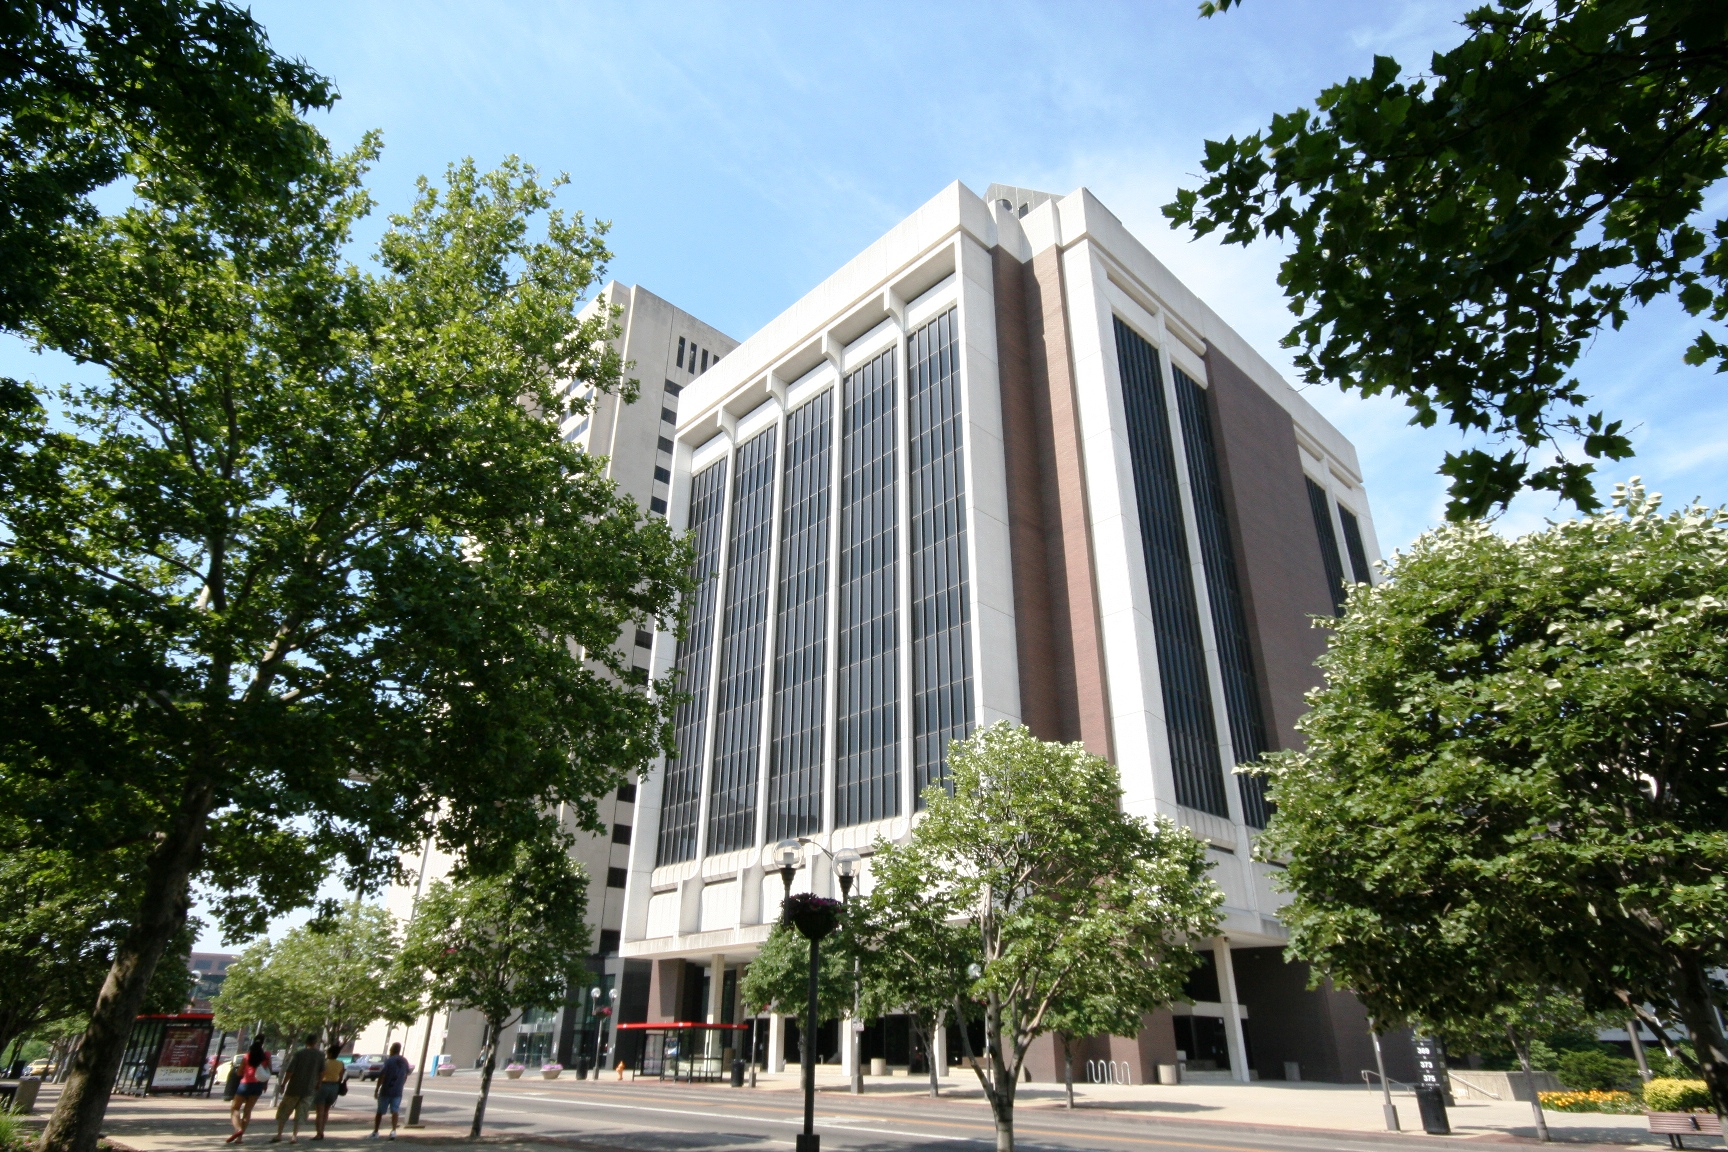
1474 1088
1368 1082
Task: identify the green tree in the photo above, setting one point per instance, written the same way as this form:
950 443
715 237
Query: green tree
1513 775
331 976
303 575
502 942
778 980
60 916
1033 855
1458 239
91 90
914 953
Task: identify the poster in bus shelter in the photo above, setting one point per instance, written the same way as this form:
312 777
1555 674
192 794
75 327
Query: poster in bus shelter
182 1056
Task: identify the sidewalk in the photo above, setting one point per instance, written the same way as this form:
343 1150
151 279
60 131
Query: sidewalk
196 1124
1264 1104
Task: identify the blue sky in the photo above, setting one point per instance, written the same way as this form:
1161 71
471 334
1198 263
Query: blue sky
743 151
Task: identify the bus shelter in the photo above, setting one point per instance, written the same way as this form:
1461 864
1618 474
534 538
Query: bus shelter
166 1053
680 1050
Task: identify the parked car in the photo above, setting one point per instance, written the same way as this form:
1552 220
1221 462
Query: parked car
39 1068
369 1067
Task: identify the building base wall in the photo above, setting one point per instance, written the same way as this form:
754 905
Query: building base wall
1323 1030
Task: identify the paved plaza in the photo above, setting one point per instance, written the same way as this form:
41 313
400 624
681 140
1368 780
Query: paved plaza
895 1112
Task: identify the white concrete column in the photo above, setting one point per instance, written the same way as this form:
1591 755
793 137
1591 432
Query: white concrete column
1232 1013
939 1049
776 1042
716 987
848 1045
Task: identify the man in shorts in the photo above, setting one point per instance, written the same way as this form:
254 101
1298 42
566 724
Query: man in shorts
299 1085
391 1079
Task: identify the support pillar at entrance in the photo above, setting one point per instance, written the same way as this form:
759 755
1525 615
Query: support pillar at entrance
1233 1039
940 1050
776 1042
716 1010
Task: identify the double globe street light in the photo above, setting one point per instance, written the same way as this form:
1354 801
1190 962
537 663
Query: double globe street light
814 917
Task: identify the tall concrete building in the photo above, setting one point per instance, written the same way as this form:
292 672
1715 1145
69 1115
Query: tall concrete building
665 349
1002 465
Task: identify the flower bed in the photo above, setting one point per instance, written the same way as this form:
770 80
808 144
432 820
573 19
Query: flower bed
1592 1101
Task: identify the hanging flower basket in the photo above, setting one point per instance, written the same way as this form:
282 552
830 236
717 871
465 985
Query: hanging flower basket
813 916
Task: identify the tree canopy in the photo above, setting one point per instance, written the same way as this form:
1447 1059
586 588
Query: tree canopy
1067 897
1514 776
1458 239
500 942
332 977
60 917
94 90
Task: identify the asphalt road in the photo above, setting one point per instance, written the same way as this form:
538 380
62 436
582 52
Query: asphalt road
679 1118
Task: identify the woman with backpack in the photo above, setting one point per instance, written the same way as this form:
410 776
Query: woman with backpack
254 1078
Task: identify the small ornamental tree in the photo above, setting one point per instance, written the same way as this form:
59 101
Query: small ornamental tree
502 942
1516 776
915 952
1034 856
778 980
332 977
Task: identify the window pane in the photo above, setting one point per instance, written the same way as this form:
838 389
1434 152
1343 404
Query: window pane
1229 619
867 735
681 797
801 648
936 496
1188 718
738 703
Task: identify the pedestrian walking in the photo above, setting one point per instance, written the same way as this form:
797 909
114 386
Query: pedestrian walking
334 1084
390 1082
254 1078
300 1082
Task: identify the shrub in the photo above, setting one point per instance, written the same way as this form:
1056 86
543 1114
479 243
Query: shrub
14 1137
1623 1102
1676 1096
1593 1070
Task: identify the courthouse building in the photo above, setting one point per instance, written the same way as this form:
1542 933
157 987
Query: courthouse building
1002 465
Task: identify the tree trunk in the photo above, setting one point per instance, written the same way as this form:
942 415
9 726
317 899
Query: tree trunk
1523 1049
928 1036
77 1119
1067 1067
1697 1008
493 1028
1005 1076
1638 1049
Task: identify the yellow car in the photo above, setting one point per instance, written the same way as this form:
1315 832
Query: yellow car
39 1068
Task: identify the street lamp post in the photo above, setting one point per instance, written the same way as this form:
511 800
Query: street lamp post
599 1014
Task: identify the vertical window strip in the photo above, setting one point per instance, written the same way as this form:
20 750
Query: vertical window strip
867 712
681 796
1318 504
941 611
1353 544
1224 590
1188 717
738 702
801 640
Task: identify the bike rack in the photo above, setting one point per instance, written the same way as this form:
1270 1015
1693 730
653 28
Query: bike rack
1109 1072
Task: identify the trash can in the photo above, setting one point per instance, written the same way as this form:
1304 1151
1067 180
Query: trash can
737 1073
1169 1073
1431 1102
1292 1070
24 1100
